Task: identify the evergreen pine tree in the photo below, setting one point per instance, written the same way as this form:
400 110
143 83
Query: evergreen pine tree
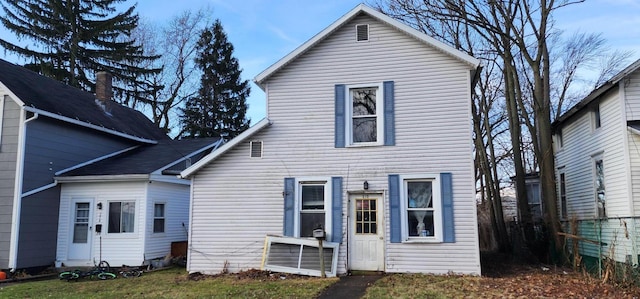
219 109
74 39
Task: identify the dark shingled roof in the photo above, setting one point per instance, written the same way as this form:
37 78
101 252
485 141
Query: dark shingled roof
49 95
145 159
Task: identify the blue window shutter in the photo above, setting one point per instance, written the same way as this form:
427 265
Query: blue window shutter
446 188
394 208
336 209
389 114
289 207
340 115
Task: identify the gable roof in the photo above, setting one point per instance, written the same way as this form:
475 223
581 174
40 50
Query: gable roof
361 8
596 93
48 97
226 147
145 159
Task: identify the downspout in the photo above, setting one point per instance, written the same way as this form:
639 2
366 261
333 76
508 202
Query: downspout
17 192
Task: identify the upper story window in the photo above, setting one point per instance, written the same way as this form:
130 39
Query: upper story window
366 119
597 123
559 139
122 217
364 114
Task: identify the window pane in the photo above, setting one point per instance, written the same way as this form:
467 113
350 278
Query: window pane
158 225
309 222
114 217
312 197
80 232
365 129
419 195
364 101
128 216
158 210
420 223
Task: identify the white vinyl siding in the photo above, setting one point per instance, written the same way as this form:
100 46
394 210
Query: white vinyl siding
127 248
432 103
176 210
8 156
632 108
581 145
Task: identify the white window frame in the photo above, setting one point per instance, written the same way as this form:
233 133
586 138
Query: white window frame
164 217
594 160
326 181
135 216
562 196
596 118
438 235
379 114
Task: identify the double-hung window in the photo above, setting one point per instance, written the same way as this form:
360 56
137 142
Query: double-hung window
600 187
563 196
421 208
311 203
366 117
122 216
158 218
314 207
365 114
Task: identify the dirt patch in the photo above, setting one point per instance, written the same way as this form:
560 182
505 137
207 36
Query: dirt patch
517 279
252 274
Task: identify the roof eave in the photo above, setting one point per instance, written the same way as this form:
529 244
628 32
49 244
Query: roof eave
102 178
223 149
88 125
596 93
264 75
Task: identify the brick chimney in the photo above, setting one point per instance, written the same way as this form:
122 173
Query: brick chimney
104 90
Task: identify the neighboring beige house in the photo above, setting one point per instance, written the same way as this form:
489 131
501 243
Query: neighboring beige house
368 135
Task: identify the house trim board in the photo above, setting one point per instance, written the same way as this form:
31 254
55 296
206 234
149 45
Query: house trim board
2 100
17 195
88 125
102 178
260 78
622 98
226 147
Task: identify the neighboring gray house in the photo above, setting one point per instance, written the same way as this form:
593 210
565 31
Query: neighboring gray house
597 156
49 128
368 136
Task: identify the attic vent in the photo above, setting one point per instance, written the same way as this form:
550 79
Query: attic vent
256 149
362 32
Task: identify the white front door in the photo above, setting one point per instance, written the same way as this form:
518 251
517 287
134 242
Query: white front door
80 231
366 232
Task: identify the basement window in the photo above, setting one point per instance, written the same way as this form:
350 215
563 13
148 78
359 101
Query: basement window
256 149
362 32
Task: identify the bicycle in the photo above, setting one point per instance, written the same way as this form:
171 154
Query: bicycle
127 272
102 271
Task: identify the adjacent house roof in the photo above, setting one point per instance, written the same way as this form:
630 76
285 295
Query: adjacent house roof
596 93
227 146
146 159
48 97
361 8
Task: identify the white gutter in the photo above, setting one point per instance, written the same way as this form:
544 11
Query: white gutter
102 178
17 192
88 125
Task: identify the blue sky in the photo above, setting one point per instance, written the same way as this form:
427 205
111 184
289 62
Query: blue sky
263 31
